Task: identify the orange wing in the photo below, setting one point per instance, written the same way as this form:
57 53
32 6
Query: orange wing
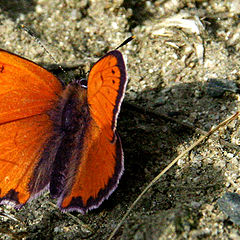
27 92
26 89
106 87
101 159
21 146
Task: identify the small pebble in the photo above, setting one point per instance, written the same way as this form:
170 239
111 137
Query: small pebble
159 101
230 205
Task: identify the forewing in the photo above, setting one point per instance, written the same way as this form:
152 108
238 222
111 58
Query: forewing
106 87
27 93
26 89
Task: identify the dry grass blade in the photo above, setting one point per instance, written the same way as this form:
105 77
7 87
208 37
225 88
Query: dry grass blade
223 123
10 217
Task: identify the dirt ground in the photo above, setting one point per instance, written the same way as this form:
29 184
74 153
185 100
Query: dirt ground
183 70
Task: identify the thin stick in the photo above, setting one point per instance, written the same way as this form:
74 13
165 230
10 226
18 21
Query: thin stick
225 122
10 217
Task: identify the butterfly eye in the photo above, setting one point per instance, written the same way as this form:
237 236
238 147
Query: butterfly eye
83 82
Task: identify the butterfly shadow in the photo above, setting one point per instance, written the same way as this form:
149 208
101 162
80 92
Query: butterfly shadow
151 141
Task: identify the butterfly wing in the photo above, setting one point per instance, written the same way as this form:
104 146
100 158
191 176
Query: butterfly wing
27 92
26 89
106 88
101 160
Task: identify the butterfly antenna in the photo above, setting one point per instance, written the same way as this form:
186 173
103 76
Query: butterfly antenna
30 32
126 41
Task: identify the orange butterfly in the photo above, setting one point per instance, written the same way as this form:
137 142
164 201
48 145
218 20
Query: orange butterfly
61 138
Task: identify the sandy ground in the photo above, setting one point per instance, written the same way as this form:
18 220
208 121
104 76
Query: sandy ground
180 46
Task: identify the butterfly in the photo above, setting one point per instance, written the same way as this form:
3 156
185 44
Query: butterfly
60 138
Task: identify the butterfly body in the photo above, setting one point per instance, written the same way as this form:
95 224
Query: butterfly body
68 140
70 118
